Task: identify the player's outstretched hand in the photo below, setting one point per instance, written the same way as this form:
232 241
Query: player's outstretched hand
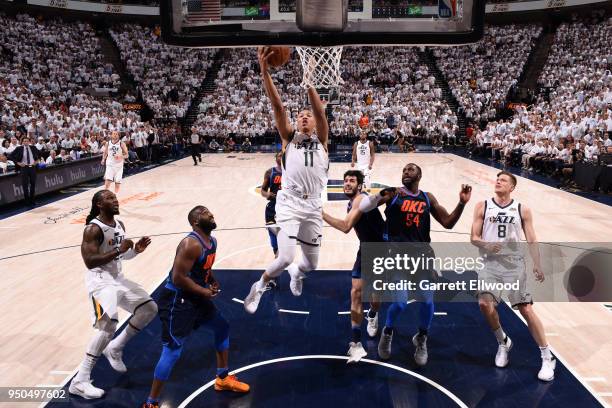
263 53
465 194
142 244
126 245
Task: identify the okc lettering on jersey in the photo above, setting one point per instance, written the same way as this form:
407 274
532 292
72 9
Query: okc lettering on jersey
277 179
210 260
413 209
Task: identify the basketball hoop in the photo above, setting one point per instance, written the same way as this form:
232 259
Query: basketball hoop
321 66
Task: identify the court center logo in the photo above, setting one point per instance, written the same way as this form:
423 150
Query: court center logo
335 189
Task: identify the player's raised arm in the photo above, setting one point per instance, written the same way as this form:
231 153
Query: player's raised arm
280 115
318 111
349 221
447 220
187 254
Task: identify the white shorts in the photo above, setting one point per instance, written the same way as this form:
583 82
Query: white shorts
107 294
300 218
113 173
507 270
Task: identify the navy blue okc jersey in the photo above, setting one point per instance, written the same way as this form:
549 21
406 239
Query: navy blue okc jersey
370 227
408 218
200 271
275 180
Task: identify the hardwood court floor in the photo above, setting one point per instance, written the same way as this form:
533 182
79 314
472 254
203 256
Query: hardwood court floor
45 317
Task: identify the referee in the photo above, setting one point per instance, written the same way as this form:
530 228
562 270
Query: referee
195 148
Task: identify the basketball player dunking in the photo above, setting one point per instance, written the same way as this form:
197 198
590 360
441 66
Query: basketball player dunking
408 214
185 304
298 203
269 188
103 249
497 221
363 154
369 228
114 152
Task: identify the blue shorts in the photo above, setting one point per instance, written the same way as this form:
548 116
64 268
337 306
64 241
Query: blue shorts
356 272
180 315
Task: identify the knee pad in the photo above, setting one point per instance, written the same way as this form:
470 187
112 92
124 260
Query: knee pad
143 314
167 360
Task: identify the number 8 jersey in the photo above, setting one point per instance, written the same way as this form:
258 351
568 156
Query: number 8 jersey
502 224
305 166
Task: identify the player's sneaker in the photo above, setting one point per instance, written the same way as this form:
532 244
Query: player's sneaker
252 300
547 372
384 345
85 389
355 352
297 278
231 383
114 358
372 327
501 358
420 354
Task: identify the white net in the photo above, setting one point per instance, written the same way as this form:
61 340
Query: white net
321 66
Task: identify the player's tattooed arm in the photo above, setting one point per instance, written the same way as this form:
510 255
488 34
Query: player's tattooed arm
90 247
280 115
187 254
349 221
265 186
318 110
440 213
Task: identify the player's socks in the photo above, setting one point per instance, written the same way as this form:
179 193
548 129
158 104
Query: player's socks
121 340
356 333
545 352
372 313
222 372
153 401
388 331
86 366
500 335
261 284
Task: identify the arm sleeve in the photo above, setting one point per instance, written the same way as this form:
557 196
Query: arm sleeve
369 203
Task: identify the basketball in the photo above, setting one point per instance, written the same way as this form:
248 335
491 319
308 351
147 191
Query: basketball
280 56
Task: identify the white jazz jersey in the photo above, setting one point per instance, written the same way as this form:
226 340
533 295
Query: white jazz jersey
305 166
363 154
111 241
114 154
502 224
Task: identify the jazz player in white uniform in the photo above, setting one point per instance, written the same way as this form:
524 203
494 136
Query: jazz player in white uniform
363 154
298 203
103 249
497 225
114 153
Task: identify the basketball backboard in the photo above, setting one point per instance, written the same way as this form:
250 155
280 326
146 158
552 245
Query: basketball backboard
243 23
